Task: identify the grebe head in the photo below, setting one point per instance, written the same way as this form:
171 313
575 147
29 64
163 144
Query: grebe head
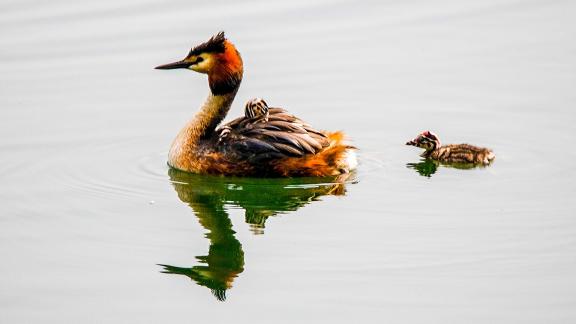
427 140
256 108
216 57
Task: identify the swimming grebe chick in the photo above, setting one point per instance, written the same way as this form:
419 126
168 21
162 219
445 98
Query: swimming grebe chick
281 146
451 153
256 108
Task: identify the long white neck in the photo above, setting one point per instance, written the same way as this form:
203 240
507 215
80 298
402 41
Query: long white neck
200 127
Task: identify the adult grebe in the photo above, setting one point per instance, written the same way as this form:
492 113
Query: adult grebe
281 146
451 153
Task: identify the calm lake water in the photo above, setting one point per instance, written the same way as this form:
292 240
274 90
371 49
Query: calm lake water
94 227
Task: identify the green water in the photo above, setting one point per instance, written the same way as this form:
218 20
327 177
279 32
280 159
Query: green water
209 197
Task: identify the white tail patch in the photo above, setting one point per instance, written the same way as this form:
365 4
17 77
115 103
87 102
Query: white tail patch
350 159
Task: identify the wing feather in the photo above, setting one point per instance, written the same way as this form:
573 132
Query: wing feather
282 135
290 150
282 124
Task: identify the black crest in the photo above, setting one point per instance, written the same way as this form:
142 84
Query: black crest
214 45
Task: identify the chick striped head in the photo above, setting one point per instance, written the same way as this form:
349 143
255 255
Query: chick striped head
426 140
256 108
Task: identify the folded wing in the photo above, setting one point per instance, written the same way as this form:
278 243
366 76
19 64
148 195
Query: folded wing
282 135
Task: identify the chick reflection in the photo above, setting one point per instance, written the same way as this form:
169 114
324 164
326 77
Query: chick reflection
427 167
260 199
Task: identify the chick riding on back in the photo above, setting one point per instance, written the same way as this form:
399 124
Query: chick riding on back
256 108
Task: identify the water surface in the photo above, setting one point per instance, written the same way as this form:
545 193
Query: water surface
94 227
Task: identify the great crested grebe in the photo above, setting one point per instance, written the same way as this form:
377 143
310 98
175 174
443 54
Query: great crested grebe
281 146
451 153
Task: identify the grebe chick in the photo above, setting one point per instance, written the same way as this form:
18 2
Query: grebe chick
256 108
282 146
451 153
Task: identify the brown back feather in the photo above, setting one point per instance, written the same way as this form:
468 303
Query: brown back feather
283 134
461 153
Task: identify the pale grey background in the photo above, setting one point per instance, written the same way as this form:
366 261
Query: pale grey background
85 123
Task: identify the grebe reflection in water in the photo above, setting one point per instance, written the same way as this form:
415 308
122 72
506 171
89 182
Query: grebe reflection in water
209 197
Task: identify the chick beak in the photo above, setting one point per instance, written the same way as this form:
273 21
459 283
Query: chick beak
176 65
412 142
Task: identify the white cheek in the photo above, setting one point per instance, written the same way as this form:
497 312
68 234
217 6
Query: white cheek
202 66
